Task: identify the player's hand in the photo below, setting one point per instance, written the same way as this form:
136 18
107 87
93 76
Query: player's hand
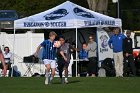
126 54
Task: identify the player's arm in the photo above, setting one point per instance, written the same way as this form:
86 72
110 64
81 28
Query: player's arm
37 50
73 48
62 53
3 63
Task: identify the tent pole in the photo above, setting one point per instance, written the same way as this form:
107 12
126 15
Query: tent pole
13 53
76 52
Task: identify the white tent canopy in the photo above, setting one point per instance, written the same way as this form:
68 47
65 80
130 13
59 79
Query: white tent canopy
66 15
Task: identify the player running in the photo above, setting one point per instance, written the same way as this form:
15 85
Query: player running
49 55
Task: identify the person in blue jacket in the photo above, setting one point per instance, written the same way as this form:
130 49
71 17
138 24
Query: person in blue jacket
116 43
83 53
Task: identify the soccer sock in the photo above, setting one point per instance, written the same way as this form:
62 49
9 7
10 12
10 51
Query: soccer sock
66 78
47 74
51 78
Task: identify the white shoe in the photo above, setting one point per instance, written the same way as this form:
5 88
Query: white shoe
87 75
93 75
78 75
66 81
46 81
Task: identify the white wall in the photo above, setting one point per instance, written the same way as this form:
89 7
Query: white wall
25 45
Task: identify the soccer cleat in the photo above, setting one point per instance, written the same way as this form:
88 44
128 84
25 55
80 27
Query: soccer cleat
46 81
66 81
93 75
87 75
62 81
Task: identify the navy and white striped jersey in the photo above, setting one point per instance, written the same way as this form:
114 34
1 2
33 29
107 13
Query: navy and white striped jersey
49 51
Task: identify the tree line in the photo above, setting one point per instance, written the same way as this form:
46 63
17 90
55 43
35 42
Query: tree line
129 9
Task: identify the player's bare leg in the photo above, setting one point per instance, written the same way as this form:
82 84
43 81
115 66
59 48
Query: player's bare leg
66 74
47 74
52 74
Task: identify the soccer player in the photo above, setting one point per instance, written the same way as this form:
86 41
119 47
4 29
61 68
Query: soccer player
64 59
3 63
49 55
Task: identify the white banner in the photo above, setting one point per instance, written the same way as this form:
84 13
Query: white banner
104 50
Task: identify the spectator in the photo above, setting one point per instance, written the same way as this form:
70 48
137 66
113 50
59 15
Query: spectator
83 54
115 42
3 63
128 56
8 57
91 48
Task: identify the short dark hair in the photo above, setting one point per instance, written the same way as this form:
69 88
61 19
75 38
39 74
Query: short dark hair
84 43
62 37
116 28
7 48
128 31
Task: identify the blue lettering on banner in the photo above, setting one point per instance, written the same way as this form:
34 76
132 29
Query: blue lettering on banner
101 22
44 24
103 50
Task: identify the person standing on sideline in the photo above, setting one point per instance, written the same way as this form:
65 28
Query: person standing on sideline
116 43
91 48
83 56
64 59
128 55
49 55
3 63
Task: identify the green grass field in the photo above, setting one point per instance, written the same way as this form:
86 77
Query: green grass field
76 85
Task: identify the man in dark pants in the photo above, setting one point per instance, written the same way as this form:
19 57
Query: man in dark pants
128 57
91 48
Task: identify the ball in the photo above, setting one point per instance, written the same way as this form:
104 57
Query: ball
57 44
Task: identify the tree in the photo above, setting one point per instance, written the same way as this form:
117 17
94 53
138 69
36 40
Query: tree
98 5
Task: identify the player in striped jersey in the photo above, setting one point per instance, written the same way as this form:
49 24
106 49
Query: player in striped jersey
49 55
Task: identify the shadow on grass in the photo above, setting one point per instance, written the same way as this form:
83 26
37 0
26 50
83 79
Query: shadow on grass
70 82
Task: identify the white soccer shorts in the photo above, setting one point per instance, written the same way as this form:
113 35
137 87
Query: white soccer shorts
51 62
